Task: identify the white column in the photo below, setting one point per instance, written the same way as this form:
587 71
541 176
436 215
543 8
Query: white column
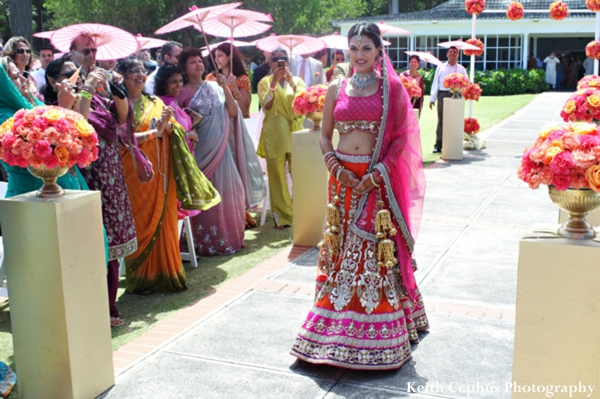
525 50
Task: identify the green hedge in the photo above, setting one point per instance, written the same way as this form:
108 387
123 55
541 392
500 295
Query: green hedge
501 82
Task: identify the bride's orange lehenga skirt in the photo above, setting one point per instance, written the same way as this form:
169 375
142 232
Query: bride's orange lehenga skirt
362 318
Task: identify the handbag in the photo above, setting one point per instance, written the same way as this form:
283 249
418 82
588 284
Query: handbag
141 163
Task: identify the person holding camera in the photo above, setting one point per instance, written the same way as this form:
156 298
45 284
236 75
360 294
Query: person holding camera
276 93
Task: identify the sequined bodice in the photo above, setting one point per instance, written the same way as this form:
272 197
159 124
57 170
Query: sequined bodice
362 113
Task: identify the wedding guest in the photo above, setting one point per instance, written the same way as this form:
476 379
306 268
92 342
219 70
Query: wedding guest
108 65
308 69
439 93
413 72
261 71
19 50
190 62
46 56
337 59
323 57
588 65
276 93
551 61
85 46
234 71
169 53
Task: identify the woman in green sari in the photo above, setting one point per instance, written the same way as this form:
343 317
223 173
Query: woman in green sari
15 97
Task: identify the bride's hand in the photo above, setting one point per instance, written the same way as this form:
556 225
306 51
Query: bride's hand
349 179
365 185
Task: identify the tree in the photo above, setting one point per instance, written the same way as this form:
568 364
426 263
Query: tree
20 18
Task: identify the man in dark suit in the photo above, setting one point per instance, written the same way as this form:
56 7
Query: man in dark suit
261 71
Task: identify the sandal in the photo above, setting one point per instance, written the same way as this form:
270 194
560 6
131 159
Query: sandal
116 322
145 292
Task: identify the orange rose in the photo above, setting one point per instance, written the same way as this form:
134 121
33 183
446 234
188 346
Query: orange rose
592 175
551 153
570 107
594 101
84 128
62 154
321 101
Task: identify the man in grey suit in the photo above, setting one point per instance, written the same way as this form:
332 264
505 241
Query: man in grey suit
309 70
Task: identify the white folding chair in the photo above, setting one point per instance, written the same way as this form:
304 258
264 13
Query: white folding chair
266 203
189 256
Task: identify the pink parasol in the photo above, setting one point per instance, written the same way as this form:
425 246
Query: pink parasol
44 35
237 23
335 41
149 42
392 30
112 43
459 44
427 57
295 44
236 43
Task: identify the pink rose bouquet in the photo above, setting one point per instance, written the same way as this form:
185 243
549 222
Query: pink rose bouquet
559 10
584 105
310 100
565 157
589 82
515 11
472 92
592 50
593 5
456 82
474 6
472 126
411 85
474 42
48 136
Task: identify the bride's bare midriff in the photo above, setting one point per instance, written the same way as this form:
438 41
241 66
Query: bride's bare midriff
357 142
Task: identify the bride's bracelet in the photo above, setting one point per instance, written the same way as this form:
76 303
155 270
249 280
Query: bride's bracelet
338 172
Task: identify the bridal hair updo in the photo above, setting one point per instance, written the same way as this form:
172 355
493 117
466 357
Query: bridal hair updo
368 29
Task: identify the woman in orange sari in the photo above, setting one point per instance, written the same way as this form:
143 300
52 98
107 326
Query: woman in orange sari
156 265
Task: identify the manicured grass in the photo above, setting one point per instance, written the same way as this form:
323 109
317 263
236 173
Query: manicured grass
488 111
142 312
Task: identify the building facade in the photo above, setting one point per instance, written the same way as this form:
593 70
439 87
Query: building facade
507 43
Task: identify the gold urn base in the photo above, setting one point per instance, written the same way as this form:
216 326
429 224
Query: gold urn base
455 92
577 203
316 118
50 189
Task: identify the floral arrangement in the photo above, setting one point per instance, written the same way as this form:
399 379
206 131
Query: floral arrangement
589 82
584 105
471 126
472 92
474 42
592 50
474 6
310 100
456 81
48 137
559 10
593 5
411 85
515 11
566 157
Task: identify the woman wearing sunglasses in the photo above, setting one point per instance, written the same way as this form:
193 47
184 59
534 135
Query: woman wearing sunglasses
19 50
276 93
106 173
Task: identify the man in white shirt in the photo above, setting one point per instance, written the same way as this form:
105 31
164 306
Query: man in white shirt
439 92
170 55
46 56
309 70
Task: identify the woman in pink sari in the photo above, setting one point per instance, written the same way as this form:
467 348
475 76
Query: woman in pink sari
368 309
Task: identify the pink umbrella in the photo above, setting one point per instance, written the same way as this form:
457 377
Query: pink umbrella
459 44
295 44
335 41
427 57
44 35
236 43
237 23
392 30
149 42
112 43
196 18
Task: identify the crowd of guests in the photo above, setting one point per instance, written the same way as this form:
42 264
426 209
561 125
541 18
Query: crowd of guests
563 71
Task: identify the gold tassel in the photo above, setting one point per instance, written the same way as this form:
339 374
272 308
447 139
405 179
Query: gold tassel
385 246
331 237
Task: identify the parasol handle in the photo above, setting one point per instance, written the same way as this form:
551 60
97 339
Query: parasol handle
208 48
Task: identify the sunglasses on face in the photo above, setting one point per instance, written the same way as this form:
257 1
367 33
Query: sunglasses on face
87 51
277 59
67 74
23 51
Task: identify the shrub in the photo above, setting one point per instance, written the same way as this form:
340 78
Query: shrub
501 82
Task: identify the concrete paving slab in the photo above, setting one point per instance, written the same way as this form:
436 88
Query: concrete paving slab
300 271
472 281
504 149
432 240
462 351
488 243
456 200
259 329
526 136
493 170
351 391
526 214
170 376
515 124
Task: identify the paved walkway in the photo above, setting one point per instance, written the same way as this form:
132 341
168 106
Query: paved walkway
235 343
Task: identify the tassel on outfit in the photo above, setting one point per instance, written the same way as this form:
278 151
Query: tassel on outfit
385 246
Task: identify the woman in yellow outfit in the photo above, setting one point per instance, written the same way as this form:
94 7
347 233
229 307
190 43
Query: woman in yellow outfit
276 93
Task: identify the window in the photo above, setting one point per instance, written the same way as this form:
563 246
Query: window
396 51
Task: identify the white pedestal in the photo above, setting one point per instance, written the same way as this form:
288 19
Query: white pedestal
56 271
593 218
310 180
452 133
557 330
